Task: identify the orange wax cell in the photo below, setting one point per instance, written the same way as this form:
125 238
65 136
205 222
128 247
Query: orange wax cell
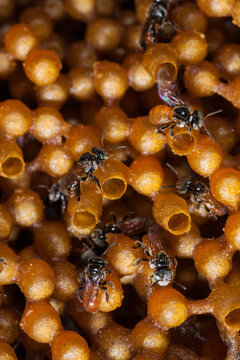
6 351
160 56
80 53
167 307
26 207
42 67
10 266
146 175
55 160
232 230
81 139
114 122
143 136
212 260
227 60
11 160
15 118
20 40
40 322
69 344
138 77
54 94
160 115
182 143
7 64
6 221
48 125
190 46
103 34
110 80
171 212
146 336
81 83
189 17
113 179
225 186
215 8
52 240
85 214
202 79
236 12
36 279
121 255
206 157
39 21
80 9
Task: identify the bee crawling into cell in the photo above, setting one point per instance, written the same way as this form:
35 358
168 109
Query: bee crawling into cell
182 115
94 280
157 23
163 265
198 194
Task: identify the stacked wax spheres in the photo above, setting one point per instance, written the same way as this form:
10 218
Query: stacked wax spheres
119 219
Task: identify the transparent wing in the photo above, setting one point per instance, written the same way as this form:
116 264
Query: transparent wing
167 90
155 238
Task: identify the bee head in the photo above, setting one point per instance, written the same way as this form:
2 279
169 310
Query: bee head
100 153
199 188
197 119
184 185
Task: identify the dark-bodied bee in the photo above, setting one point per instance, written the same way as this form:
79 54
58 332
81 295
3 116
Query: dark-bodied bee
157 23
198 193
163 265
182 115
94 279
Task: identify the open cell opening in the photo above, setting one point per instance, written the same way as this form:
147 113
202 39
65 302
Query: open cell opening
183 143
12 166
84 219
233 319
178 222
113 188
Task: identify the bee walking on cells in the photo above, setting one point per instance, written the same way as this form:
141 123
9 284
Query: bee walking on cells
157 22
94 279
163 265
182 115
198 194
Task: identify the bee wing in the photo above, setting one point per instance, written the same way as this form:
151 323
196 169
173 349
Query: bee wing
68 180
156 243
91 301
168 92
132 225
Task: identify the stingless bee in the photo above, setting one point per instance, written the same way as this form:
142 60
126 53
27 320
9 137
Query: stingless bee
198 193
157 21
163 265
182 115
93 280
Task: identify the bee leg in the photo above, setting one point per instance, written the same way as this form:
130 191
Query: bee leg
163 127
108 271
199 204
176 27
213 216
189 129
106 292
109 283
137 262
151 282
3 260
153 32
79 293
95 180
171 130
63 203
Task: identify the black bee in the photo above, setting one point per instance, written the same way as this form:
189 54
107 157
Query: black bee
164 265
182 115
198 193
94 279
156 22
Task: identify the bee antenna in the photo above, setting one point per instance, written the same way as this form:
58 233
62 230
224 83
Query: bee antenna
181 286
208 132
167 186
102 137
208 115
41 186
118 147
173 170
